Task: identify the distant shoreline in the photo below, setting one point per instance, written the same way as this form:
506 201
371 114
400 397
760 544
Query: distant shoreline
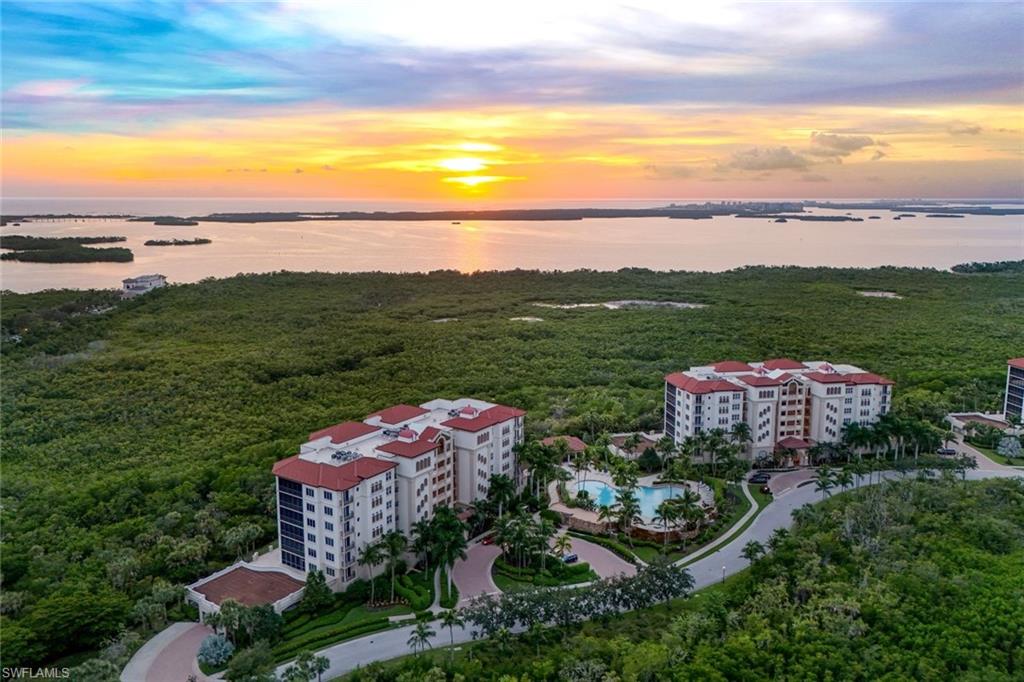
687 211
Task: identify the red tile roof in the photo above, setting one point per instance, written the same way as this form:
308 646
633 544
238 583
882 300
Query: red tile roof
430 432
398 414
694 385
331 476
574 443
344 432
732 366
755 380
489 417
823 378
783 363
249 587
854 378
1016 362
869 378
416 448
794 443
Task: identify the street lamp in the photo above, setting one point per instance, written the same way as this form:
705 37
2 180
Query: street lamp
723 574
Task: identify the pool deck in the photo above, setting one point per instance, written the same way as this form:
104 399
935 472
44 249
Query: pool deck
707 495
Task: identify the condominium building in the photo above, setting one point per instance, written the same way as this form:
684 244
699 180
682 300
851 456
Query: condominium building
1013 404
354 482
780 400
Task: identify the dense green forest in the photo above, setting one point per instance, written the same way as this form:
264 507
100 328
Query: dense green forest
136 438
62 249
907 580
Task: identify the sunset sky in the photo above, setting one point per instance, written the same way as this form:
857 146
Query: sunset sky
487 101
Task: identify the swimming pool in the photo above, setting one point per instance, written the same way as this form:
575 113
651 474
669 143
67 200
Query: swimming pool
649 497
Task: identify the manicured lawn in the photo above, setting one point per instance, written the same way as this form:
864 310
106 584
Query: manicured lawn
996 457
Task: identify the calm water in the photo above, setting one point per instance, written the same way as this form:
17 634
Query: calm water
650 498
717 244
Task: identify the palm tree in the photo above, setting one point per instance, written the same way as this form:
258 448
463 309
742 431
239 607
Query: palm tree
394 545
631 443
580 462
740 434
563 544
628 511
502 490
542 532
689 510
371 556
419 639
449 540
752 551
824 481
844 478
423 541
451 619
666 448
666 514
605 514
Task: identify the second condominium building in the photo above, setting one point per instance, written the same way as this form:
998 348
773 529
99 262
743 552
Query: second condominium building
353 482
785 403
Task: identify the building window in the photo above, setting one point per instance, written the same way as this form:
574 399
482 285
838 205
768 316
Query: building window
483 438
311 537
330 571
311 552
311 523
310 507
329 542
310 492
328 525
328 511
328 495
330 557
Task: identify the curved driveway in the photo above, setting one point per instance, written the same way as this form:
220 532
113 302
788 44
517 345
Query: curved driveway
604 562
170 656
473 576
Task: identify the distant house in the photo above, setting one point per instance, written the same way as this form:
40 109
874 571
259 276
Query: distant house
574 444
136 286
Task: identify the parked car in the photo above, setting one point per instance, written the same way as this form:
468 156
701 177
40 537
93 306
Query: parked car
570 558
946 452
760 477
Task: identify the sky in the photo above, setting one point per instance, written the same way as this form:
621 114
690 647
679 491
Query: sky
461 101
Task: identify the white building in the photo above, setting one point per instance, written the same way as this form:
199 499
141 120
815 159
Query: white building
352 483
800 403
136 286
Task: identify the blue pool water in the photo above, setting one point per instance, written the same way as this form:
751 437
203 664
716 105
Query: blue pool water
650 498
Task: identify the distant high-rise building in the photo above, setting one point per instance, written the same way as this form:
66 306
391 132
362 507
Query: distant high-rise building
1013 404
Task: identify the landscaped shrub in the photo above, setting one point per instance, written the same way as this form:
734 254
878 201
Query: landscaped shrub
552 516
215 650
322 636
619 549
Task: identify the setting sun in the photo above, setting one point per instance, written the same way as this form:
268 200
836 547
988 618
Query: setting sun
476 180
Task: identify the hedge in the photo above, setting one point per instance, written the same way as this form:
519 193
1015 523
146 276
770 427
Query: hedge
620 550
317 638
